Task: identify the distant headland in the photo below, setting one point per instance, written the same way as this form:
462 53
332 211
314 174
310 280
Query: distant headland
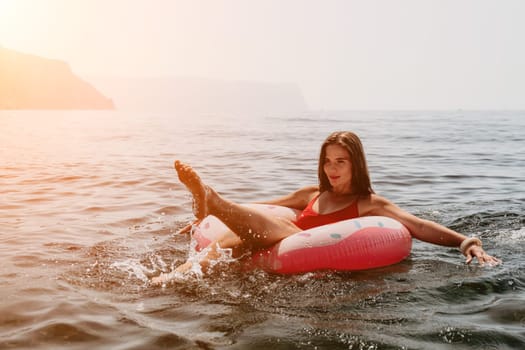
30 82
202 96
33 82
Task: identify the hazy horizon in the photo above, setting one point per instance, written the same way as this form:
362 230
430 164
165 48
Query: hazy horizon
343 55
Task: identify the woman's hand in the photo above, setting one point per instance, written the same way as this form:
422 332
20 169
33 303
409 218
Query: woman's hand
479 253
165 277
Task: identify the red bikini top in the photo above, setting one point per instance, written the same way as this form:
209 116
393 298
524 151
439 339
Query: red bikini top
309 218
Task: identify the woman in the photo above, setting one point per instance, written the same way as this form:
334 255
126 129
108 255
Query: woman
344 192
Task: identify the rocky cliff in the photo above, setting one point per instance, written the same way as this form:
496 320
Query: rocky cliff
32 82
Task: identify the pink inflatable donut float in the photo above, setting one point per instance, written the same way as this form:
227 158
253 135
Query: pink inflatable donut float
357 244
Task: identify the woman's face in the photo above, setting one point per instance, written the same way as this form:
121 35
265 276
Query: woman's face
338 168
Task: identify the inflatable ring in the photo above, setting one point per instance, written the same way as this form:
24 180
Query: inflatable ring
357 244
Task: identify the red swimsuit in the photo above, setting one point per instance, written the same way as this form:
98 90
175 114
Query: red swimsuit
309 218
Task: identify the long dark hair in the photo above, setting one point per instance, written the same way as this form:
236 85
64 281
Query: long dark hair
361 184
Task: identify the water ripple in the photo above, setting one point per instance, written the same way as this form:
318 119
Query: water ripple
89 217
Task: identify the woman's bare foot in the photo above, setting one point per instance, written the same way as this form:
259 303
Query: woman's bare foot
199 190
161 279
164 277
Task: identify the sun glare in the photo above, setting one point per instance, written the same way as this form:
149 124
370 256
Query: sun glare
6 7
7 18
23 25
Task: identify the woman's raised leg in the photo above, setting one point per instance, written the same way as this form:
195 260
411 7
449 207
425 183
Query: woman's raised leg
253 227
249 227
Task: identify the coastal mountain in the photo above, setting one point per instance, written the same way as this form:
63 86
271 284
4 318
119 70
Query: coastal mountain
33 82
201 96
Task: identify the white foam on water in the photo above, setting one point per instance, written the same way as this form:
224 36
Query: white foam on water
512 235
134 269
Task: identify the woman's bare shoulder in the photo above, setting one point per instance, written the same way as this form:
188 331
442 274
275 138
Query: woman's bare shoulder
298 199
369 205
312 190
306 194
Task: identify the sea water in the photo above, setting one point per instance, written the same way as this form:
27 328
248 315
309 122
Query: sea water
90 208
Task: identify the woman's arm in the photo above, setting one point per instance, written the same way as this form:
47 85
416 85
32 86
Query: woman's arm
426 230
296 200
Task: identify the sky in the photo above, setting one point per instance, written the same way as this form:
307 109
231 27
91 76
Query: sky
343 54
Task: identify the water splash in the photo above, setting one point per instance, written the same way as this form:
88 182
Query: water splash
135 269
144 269
514 235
